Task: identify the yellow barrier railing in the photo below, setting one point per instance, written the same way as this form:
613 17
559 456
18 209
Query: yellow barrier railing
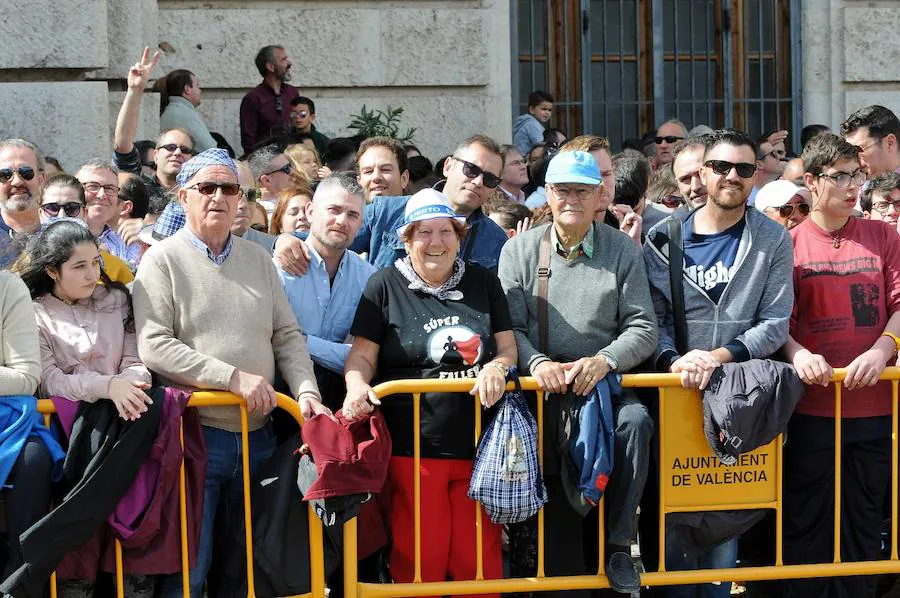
211 399
766 494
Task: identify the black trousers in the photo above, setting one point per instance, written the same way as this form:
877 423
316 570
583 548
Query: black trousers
28 500
809 500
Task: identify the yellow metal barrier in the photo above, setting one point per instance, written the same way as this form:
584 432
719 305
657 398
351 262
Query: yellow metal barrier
754 483
211 399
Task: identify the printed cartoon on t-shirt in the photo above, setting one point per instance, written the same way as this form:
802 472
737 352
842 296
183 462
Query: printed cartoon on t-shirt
454 345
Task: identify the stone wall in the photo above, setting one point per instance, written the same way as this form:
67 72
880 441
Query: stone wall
850 51
446 62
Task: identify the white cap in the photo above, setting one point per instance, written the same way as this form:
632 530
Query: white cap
779 193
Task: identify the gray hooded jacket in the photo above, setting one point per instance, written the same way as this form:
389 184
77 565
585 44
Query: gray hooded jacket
752 316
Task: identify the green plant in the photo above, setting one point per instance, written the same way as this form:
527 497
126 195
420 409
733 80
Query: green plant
378 123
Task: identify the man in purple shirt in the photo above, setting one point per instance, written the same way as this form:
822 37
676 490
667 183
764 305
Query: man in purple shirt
266 109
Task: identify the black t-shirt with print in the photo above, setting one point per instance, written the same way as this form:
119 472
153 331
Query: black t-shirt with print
421 336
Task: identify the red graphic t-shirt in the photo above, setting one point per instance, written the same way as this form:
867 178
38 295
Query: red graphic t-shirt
844 297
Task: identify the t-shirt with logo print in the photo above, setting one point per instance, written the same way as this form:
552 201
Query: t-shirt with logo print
421 336
709 259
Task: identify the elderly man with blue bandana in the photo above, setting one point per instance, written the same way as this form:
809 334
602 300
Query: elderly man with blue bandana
211 313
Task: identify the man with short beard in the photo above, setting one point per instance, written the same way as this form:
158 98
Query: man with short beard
266 109
324 300
688 158
21 175
738 296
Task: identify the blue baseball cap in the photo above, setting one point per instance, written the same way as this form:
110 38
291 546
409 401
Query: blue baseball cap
573 167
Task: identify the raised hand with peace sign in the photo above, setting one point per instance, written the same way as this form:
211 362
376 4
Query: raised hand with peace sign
139 73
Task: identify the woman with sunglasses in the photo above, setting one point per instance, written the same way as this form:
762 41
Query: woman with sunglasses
784 202
88 345
63 196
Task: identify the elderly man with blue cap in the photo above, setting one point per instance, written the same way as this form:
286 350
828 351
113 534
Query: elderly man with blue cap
211 313
582 313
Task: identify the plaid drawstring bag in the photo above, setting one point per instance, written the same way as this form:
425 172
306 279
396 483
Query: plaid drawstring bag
506 474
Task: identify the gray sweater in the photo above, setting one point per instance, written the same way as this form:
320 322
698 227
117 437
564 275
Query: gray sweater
753 313
598 305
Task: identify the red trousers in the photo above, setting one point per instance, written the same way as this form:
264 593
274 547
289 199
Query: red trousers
447 524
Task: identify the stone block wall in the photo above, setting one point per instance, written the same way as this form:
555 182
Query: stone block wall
850 50
446 62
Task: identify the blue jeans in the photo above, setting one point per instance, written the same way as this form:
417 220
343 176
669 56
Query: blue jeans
723 556
223 494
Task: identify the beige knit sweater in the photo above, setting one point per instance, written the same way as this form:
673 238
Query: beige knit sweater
197 322
20 362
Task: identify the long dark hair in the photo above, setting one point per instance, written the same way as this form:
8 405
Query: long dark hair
52 248
173 85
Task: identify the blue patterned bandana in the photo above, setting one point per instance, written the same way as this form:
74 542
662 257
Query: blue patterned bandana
210 157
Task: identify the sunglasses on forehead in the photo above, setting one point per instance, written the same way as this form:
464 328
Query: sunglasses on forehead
473 171
26 172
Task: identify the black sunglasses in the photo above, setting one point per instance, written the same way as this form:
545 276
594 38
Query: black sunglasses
668 139
473 171
744 170
26 172
786 210
70 209
209 188
286 169
171 147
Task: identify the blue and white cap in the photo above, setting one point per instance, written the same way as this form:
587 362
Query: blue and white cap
427 204
211 157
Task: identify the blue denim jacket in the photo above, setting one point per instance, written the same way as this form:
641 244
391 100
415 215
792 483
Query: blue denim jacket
378 235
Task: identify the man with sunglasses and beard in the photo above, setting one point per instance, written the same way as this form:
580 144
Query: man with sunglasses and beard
21 175
472 174
738 296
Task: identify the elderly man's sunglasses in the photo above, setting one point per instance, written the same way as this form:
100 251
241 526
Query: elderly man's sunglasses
473 171
26 172
744 170
209 188
70 209
668 139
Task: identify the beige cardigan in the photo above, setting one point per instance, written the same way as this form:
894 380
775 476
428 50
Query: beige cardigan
20 363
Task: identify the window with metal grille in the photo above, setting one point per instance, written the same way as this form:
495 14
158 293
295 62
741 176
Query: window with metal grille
619 68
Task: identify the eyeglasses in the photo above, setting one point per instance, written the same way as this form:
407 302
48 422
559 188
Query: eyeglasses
260 227
286 169
26 172
171 147
570 193
744 170
209 188
668 139
883 207
473 171
787 209
671 201
862 148
70 209
842 180
300 113
96 188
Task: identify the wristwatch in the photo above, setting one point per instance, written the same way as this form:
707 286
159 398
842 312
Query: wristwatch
893 336
613 364
500 366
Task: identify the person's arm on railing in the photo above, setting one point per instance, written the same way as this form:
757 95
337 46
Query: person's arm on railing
811 367
866 369
358 373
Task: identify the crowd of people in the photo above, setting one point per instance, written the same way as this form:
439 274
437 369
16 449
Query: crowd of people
321 267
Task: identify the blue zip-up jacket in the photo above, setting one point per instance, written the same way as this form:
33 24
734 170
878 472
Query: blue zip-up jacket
378 235
19 420
593 449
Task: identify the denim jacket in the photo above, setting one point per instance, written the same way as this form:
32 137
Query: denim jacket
378 235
